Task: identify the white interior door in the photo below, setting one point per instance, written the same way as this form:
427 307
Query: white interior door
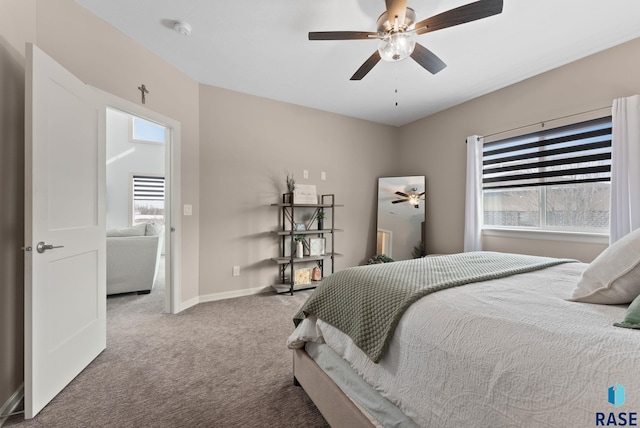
65 295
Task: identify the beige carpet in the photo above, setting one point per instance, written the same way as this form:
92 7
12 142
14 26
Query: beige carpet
218 364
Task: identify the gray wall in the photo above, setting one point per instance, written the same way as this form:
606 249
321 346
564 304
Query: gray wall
435 146
17 24
246 145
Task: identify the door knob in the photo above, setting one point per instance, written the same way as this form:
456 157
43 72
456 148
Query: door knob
42 247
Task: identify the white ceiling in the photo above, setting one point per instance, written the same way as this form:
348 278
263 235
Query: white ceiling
262 48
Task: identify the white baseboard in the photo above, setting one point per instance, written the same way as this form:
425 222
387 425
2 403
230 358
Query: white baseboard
236 293
224 295
189 303
11 405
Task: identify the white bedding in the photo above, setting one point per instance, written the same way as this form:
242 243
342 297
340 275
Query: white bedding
510 352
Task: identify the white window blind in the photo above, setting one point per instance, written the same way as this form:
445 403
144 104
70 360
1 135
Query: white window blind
146 188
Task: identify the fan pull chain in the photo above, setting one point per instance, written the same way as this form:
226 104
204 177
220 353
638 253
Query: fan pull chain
396 83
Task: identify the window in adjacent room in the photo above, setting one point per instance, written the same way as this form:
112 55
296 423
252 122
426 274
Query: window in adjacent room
144 131
556 179
148 199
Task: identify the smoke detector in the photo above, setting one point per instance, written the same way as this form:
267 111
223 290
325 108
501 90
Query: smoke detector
182 27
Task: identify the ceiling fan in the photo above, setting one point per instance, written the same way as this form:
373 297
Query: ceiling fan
397 30
413 198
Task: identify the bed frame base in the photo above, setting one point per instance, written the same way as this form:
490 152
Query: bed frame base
337 409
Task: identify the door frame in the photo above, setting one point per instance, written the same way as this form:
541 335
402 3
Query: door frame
173 221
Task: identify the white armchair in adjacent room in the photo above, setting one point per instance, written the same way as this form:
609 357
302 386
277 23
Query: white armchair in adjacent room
133 256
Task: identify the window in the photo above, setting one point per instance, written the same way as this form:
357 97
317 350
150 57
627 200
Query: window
148 199
556 179
144 131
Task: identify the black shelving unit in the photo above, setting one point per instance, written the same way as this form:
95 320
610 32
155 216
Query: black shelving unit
292 214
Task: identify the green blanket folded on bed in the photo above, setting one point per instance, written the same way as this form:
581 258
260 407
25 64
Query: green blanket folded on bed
367 302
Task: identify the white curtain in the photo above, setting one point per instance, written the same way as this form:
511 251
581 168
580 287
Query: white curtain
625 167
473 204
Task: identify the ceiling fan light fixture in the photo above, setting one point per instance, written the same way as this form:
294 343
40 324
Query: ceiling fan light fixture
396 46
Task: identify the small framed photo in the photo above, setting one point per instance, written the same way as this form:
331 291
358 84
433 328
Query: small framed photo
316 246
299 226
305 194
302 276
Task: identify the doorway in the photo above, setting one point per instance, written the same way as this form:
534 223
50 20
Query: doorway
135 203
147 188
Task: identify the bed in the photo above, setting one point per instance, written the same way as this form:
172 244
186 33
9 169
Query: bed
521 348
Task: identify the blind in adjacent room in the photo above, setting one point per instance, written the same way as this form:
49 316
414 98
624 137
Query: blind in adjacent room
147 188
579 153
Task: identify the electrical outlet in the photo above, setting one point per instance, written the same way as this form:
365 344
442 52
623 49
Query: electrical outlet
188 209
305 174
323 175
236 271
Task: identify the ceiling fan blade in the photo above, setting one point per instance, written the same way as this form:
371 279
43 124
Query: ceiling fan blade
396 8
421 194
397 201
367 66
342 35
460 15
427 59
402 194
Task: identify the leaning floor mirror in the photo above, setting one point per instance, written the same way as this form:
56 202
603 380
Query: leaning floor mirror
401 216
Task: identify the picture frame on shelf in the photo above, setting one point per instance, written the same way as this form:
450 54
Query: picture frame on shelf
305 194
316 246
299 226
302 276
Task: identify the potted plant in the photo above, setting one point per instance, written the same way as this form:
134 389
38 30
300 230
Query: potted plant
291 185
418 251
379 258
320 216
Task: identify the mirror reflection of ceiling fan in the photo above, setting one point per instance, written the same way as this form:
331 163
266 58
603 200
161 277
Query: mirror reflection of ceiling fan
397 30
413 198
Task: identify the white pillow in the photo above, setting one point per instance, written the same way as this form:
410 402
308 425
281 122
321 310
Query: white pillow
153 229
137 230
613 278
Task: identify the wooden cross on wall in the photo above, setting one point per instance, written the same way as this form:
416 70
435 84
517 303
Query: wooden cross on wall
143 91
